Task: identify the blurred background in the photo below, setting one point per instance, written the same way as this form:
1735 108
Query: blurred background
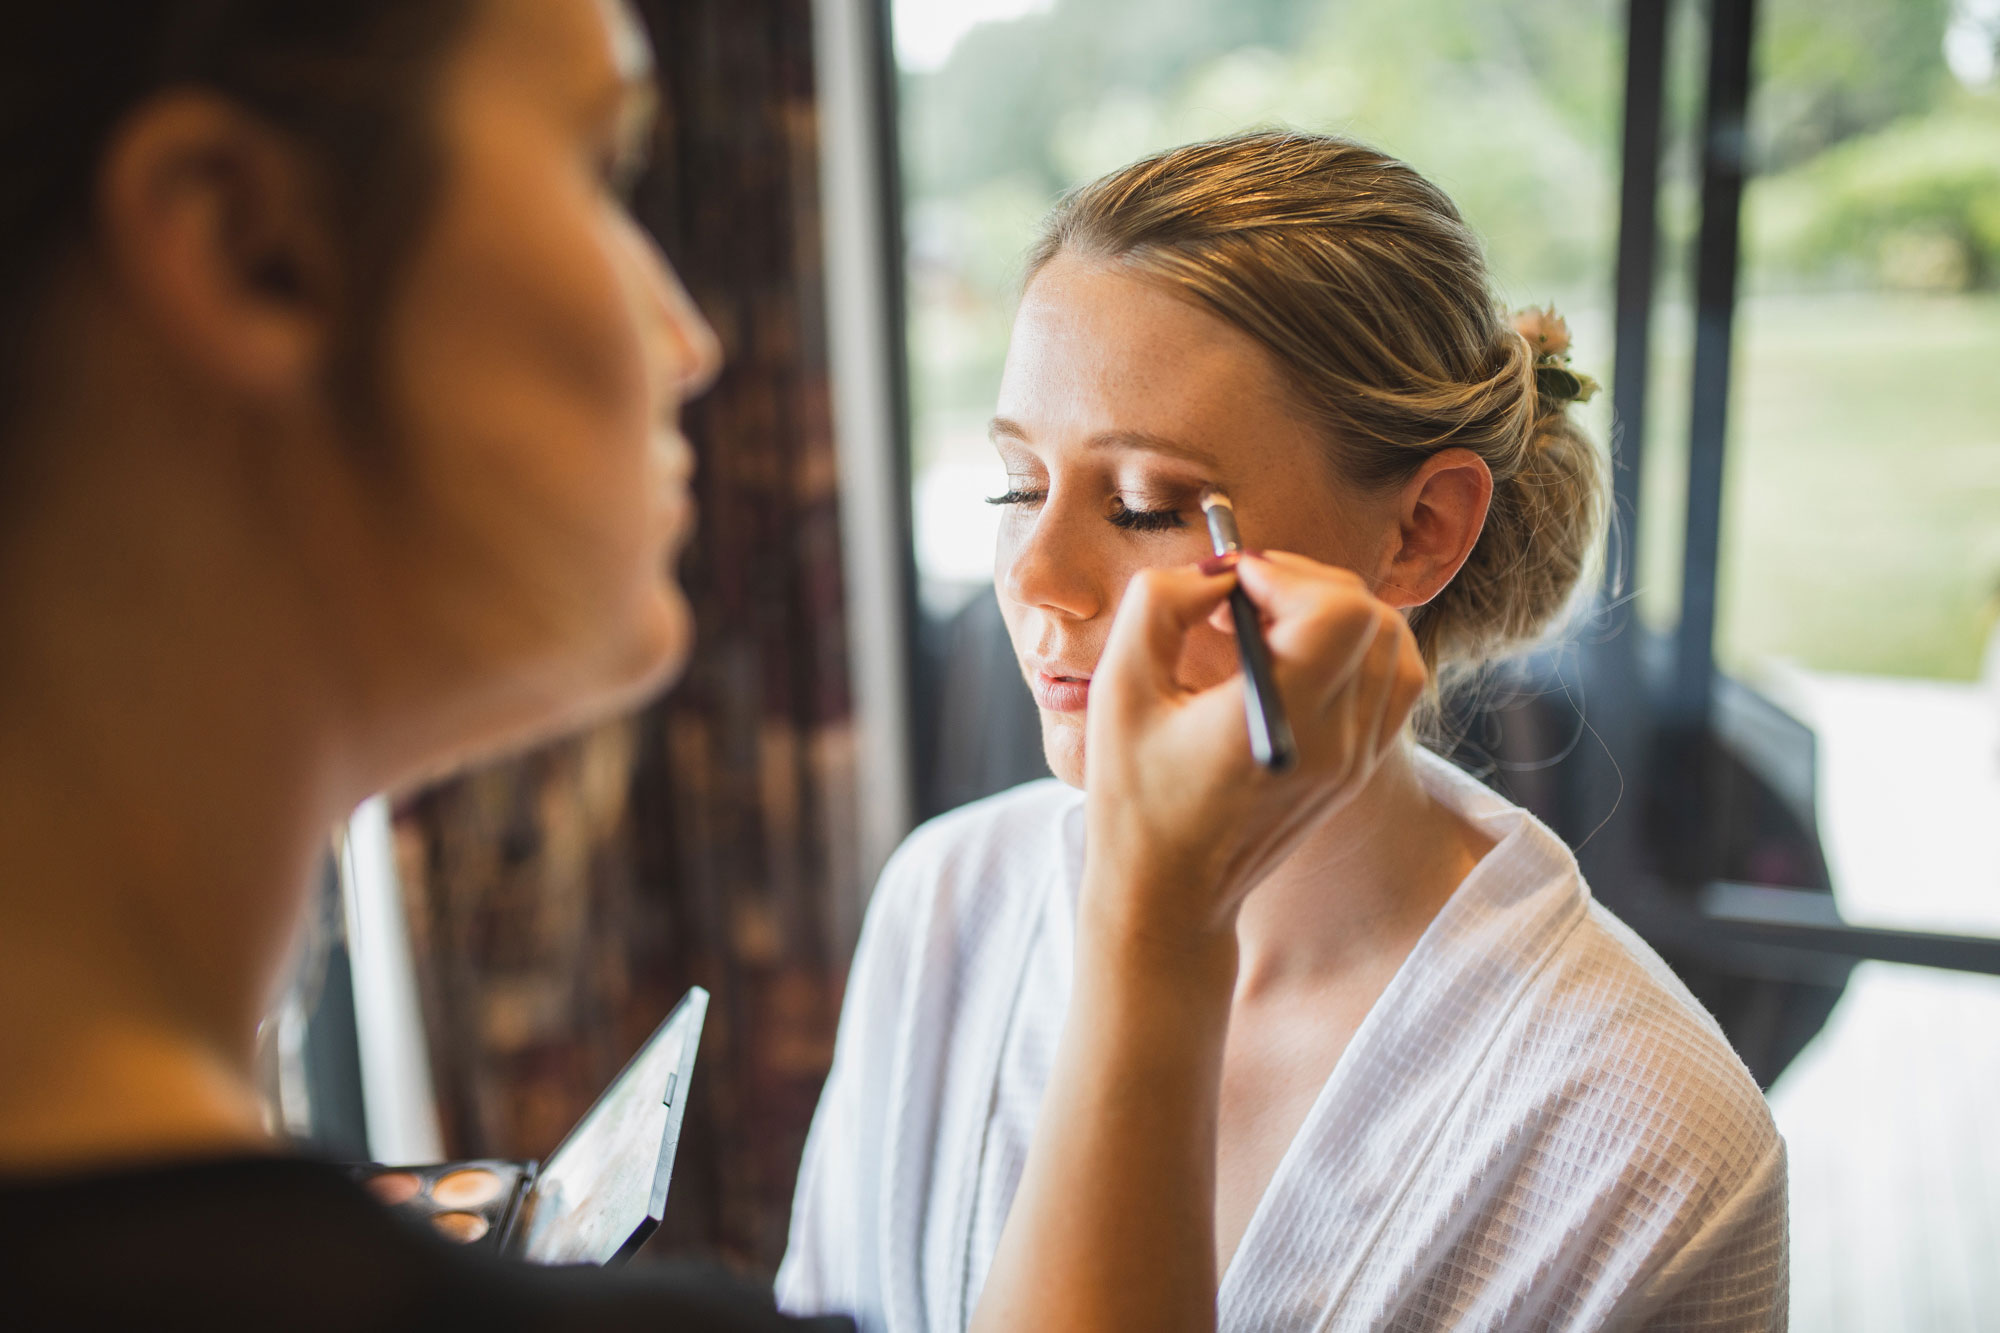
1774 737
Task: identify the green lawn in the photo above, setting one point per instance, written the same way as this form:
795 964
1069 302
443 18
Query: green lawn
1862 502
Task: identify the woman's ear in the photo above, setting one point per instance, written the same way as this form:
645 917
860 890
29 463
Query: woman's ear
212 227
1440 512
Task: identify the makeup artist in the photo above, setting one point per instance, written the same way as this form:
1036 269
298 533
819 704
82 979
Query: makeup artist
338 444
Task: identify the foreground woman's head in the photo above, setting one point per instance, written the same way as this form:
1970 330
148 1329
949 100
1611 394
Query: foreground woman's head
345 290
1307 324
338 444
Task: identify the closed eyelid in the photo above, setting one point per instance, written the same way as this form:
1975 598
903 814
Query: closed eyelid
1137 496
1147 517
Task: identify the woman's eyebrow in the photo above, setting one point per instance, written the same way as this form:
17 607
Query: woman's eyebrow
1145 441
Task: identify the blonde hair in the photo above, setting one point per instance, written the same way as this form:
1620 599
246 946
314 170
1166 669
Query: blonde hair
1362 281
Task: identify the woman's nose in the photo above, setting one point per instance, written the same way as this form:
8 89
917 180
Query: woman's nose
686 355
1048 567
697 351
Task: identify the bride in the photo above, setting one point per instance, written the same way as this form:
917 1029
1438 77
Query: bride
1403 1072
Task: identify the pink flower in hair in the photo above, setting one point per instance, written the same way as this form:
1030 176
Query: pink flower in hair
1546 331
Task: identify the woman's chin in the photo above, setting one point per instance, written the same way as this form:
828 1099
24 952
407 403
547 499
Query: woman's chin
655 652
644 656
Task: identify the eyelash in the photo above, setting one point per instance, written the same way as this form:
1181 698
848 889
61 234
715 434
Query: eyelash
1131 520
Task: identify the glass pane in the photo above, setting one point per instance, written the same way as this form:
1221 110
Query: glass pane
1861 552
1513 109
1860 567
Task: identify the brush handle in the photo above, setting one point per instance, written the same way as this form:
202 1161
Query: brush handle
1271 742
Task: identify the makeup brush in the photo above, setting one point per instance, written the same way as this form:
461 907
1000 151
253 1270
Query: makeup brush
1271 742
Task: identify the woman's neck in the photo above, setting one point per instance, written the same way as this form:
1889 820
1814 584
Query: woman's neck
127 1023
164 799
1356 895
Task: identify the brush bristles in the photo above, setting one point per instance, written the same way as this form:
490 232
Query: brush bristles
1211 497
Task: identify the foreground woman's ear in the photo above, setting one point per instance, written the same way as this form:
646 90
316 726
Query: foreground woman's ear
1440 512
211 230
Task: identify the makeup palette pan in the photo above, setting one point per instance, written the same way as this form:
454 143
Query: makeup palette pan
597 1196
466 1202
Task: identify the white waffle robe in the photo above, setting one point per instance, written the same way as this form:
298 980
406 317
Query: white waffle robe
1536 1126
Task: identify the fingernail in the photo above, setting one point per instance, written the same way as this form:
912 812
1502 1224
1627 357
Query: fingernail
1218 564
1255 552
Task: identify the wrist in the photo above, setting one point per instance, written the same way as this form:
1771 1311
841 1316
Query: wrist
1154 928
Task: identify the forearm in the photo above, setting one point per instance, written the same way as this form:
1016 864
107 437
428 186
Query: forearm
1114 1224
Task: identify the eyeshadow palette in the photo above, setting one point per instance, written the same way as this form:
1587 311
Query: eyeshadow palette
473 1203
597 1196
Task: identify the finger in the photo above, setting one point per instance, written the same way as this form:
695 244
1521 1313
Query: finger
1160 606
1341 720
1319 616
1317 656
1281 583
1334 647
1293 560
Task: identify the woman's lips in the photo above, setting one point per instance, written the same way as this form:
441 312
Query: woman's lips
673 473
1061 694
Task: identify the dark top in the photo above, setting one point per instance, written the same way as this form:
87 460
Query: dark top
295 1245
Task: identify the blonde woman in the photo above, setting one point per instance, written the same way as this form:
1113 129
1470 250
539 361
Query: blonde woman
1397 1071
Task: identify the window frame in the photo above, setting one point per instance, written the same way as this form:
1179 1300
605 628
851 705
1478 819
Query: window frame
1759 929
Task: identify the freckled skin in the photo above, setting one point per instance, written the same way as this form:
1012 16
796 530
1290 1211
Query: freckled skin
1096 351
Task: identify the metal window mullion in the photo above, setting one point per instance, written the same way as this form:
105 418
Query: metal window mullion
1725 140
1638 260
